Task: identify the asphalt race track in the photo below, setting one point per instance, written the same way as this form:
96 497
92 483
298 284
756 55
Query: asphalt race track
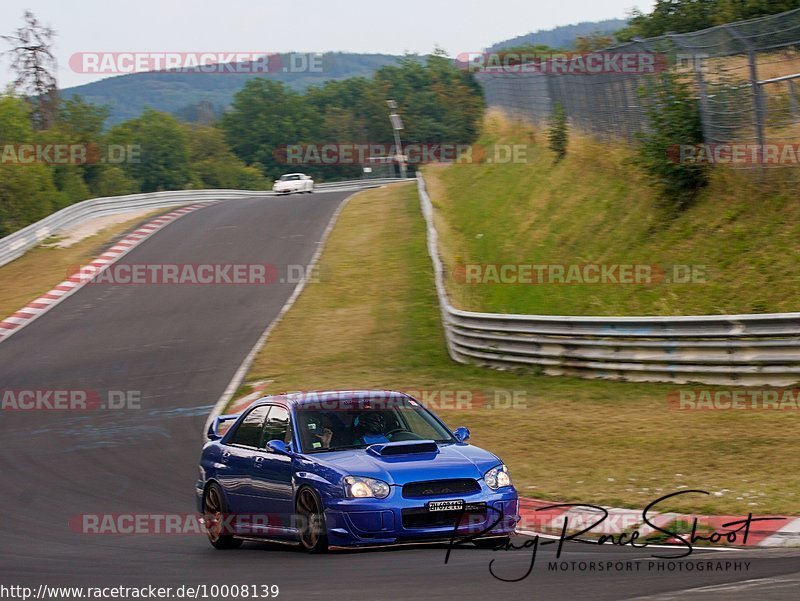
180 346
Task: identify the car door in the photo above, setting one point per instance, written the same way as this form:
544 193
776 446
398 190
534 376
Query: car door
237 459
271 474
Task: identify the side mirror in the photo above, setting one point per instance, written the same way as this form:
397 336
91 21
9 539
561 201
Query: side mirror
279 447
461 434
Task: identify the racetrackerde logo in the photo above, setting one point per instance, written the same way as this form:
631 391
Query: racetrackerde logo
562 63
203 62
735 155
579 273
188 524
54 399
439 399
201 274
69 154
412 153
734 399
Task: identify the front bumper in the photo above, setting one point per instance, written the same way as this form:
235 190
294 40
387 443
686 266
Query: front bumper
395 519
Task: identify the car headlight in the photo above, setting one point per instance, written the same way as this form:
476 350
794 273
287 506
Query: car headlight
497 477
357 487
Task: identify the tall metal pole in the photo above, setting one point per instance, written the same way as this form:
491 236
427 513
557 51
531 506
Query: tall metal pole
397 125
759 112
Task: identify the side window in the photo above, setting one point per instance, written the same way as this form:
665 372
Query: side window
277 427
249 431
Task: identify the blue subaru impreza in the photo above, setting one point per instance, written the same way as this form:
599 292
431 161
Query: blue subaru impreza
349 469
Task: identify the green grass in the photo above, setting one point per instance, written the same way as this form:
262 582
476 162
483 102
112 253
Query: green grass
595 207
374 322
43 267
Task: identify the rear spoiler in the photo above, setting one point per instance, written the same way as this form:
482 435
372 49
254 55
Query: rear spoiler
406 447
213 429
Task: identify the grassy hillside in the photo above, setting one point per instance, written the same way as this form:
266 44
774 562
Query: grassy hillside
128 95
595 207
373 321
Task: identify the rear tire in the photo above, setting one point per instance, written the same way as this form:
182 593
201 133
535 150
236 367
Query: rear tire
313 532
214 508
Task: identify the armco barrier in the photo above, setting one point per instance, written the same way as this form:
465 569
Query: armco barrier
18 243
711 349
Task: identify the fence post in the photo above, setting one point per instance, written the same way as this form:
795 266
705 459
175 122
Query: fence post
792 99
705 113
758 105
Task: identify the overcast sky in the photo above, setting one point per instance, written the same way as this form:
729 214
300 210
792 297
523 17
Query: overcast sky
300 25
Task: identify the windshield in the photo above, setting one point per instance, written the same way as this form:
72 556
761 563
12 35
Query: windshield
288 178
357 423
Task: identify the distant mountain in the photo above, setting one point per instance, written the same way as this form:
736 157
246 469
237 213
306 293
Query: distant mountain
193 96
562 37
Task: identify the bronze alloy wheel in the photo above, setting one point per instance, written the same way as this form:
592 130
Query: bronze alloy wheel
313 536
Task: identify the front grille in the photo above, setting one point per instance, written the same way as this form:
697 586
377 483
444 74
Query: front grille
422 518
437 488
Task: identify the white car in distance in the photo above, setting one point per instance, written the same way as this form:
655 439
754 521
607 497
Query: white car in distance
294 182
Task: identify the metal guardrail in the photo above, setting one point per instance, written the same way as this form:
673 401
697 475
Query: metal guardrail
760 349
18 243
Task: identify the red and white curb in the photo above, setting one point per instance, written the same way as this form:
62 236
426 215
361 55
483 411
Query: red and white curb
537 516
14 323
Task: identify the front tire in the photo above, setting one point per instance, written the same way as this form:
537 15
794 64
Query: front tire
313 532
214 508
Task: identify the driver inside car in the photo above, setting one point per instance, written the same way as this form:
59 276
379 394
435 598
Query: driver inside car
370 426
320 435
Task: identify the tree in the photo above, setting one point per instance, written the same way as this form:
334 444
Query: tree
592 43
215 166
26 191
681 16
80 122
557 134
266 115
674 117
438 103
160 158
34 64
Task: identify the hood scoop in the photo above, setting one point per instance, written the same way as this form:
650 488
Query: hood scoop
411 447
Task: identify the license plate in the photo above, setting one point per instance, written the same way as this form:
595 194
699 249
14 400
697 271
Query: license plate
453 505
